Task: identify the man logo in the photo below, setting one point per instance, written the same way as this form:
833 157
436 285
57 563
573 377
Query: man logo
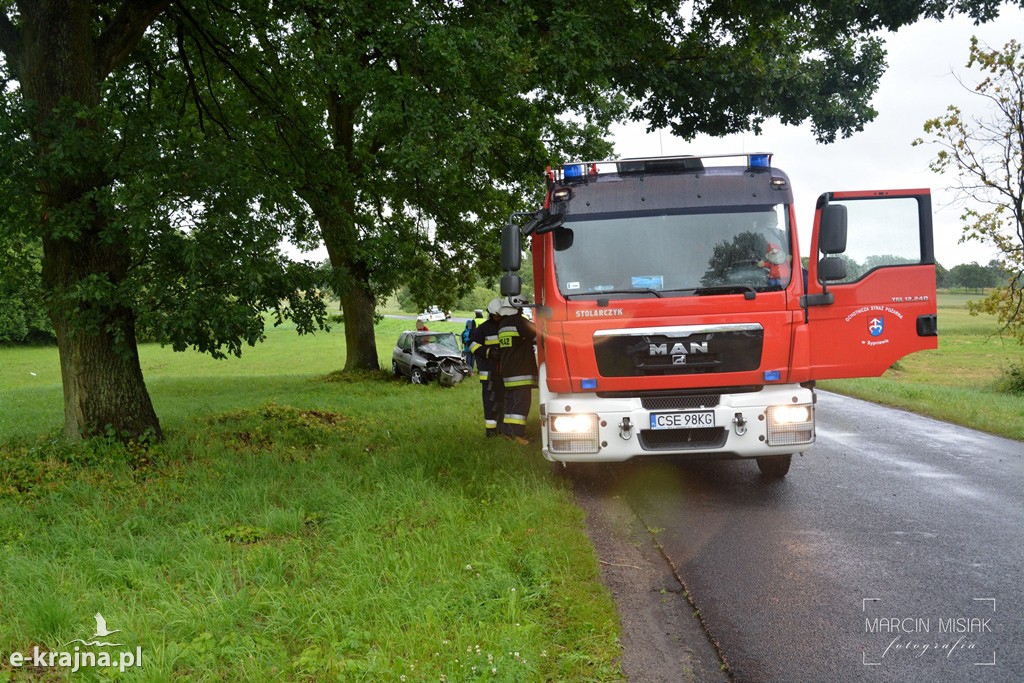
678 349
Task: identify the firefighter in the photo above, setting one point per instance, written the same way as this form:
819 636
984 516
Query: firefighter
516 335
484 345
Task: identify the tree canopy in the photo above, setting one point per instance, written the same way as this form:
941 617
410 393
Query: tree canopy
160 150
987 155
144 218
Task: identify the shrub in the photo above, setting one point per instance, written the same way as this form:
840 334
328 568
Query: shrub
1012 381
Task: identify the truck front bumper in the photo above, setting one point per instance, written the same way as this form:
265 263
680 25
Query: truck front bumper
776 420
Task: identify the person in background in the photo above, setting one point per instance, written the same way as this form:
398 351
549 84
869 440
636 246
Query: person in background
421 326
518 363
484 345
467 339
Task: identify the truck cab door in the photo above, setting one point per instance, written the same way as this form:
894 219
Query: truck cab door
870 282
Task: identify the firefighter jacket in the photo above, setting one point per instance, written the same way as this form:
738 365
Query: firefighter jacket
484 346
516 335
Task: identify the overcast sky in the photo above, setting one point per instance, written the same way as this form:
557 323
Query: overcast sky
920 82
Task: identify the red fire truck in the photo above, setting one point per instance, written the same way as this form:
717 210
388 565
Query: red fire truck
675 317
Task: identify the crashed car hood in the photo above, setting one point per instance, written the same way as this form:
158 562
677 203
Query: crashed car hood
438 351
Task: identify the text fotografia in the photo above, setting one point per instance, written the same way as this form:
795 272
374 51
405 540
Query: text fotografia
76 659
920 648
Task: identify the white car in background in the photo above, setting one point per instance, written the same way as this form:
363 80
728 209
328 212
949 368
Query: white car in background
434 314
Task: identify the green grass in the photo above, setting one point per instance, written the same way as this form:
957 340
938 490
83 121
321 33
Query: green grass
296 524
959 381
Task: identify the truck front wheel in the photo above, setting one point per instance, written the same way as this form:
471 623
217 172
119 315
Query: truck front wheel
774 466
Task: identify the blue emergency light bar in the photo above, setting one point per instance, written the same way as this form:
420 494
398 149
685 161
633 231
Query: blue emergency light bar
579 169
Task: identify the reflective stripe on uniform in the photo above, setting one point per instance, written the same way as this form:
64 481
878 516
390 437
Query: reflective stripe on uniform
491 424
506 334
484 374
515 419
520 380
474 346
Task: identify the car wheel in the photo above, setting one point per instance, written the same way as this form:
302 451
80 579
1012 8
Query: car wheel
418 377
774 466
394 369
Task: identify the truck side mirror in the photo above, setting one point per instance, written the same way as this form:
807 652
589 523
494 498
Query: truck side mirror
511 250
563 239
831 268
511 285
832 232
831 240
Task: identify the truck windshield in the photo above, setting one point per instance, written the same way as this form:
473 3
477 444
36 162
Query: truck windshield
680 253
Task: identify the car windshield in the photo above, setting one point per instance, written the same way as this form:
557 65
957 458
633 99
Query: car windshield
446 339
675 253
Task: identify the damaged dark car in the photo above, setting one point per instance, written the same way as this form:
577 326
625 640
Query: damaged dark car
427 356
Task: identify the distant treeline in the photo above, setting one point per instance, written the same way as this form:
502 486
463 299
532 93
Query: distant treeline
970 277
23 319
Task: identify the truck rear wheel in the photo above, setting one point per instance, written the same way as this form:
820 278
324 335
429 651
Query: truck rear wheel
774 466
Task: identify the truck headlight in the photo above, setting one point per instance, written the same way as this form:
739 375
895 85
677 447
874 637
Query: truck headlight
573 433
572 423
790 424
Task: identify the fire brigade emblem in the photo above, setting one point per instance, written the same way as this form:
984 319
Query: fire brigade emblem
876 326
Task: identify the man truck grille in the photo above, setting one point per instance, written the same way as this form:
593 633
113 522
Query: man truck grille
678 351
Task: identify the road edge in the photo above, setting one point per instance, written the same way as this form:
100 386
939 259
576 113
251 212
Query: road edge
662 640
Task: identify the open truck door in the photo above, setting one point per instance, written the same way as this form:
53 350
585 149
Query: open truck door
871 282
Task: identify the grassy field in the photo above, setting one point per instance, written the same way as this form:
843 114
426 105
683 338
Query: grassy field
295 525
958 382
301 525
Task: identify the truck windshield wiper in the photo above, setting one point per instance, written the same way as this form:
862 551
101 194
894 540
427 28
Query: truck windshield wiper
747 291
655 292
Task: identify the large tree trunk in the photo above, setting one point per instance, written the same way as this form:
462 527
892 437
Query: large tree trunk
335 209
360 338
351 280
61 67
104 392
341 238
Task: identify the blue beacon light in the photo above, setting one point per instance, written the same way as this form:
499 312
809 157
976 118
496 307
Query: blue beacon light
574 171
760 160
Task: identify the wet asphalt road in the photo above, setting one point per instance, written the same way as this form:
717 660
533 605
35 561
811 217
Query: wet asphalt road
893 551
